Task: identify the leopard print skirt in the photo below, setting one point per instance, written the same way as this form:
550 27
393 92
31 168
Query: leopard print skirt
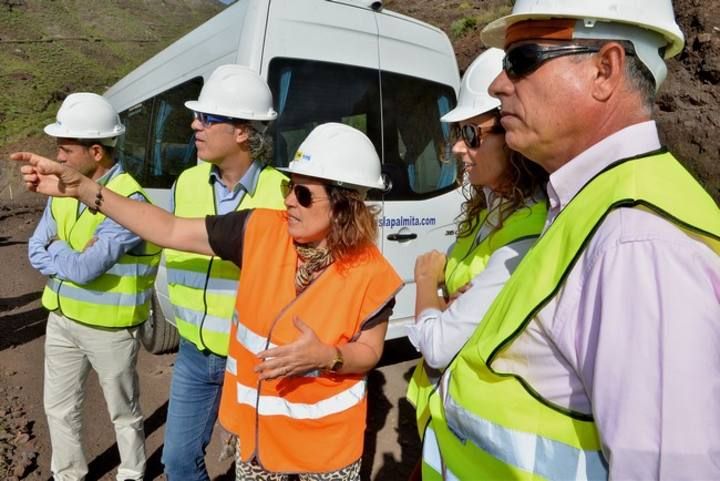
252 471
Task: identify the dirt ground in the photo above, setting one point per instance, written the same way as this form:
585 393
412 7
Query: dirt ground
391 442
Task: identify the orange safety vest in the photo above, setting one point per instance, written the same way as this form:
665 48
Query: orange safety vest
316 422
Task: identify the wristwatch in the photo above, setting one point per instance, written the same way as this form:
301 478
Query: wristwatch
338 361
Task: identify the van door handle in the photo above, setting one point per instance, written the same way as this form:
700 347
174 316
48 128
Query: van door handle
401 237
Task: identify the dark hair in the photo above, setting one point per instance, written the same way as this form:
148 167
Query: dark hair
353 224
641 80
87 143
524 180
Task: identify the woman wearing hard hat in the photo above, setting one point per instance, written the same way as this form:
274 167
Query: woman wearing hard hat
312 306
502 216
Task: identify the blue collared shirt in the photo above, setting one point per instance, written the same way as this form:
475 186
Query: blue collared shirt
228 199
53 257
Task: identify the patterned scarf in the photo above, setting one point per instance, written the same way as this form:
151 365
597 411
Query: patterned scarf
315 260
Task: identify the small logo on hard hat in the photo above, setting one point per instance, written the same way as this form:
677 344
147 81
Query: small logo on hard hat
299 155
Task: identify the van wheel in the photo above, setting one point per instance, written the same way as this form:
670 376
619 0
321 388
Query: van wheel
157 335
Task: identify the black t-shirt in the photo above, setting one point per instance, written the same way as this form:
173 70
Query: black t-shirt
226 234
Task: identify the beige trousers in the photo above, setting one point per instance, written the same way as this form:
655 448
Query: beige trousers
71 349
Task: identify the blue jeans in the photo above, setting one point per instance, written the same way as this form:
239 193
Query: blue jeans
194 400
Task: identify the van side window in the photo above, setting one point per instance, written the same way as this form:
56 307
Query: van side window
132 147
408 133
417 145
161 145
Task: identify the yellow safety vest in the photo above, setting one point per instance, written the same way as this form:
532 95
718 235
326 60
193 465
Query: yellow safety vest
121 296
202 288
494 425
466 260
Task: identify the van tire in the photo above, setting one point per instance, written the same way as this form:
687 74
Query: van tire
157 335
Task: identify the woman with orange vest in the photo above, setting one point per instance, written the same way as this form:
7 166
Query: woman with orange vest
312 307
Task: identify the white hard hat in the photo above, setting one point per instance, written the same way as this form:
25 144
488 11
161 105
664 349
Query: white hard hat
474 98
649 25
86 115
235 91
341 154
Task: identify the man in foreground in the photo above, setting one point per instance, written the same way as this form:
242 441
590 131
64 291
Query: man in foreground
599 357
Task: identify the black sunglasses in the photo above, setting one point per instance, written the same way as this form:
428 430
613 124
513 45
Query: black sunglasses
526 58
302 193
474 136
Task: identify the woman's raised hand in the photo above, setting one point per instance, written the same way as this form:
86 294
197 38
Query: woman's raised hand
430 267
49 177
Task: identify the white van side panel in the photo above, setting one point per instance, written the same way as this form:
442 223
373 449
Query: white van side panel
198 53
417 49
323 31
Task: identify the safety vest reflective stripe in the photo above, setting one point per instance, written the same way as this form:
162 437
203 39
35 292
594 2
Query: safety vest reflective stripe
277 406
231 365
530 452
256 343
98 297
186 278
132 270
251 341
431 456
198 280
196 318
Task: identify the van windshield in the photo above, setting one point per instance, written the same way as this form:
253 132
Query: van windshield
403 123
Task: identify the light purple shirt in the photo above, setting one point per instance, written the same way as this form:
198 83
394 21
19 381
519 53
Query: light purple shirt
633 335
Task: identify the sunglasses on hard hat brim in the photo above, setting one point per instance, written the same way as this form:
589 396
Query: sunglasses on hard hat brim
524 59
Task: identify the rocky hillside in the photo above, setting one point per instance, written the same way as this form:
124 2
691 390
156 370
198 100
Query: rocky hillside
688 106
49 48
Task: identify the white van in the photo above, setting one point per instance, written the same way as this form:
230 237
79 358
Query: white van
386 74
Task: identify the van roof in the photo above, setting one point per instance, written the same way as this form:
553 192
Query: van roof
216 42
